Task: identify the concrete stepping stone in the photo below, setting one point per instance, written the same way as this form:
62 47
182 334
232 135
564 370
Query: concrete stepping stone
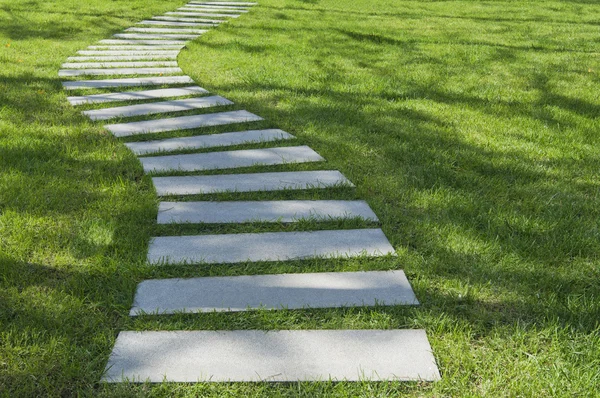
231 159
112 58
131 53
291 291
167 23
145 36
133 47
137 95
181 123
211 10
275 355
157 107
268 246
166 30
183 19
224 3
208 141
129 82
158 43
219 7
117 71
88 65
278 181
262 211
201 14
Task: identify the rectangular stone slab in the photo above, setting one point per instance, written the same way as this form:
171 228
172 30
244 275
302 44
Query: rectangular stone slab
214 7
132 53
201 14
168 23
208 141
127 47
146 36
134 81
158 43
117 71
230 159
224 3
91 65
166 30
157 107
181 123
275 356
263 211
183 19
291 291
268 246
227 12
112 58
137 95
190 185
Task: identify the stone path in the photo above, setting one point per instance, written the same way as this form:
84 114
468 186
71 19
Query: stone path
147 52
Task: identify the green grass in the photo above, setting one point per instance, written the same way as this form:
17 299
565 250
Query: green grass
471 128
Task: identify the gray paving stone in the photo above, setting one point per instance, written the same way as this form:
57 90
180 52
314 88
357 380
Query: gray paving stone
95 53
190 185
158 43
168 23
117 71
201 14
219 7
166 30
183 19
277 356
263 211
291 291
181 123
149 36
157 107
113 58
133 47
208 141
268 246
137 95
224 3
211 10
142 64
230 159
129 82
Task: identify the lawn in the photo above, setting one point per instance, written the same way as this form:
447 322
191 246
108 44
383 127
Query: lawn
472 128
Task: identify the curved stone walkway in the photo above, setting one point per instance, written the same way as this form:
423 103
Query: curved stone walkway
147 54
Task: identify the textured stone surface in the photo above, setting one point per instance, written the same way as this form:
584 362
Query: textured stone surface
181 123
263 211
208 141
134 47
137 95
201 14
190 185
134 81
188 19
157 107
158 43
171 23
150 36
224 3
268 246
142 64
167 30
117 71
112 58
256 355
131 53
215 7
230 159
227 12
292 291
